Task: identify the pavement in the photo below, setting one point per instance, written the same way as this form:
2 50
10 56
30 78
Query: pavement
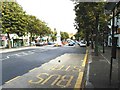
98 70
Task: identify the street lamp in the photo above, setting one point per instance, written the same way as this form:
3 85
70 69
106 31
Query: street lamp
112 7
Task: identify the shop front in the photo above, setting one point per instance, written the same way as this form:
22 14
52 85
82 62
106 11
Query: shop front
18 43
3 41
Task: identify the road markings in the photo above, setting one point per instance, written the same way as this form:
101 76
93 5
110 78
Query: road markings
63 79
67 68
12 79
19 54
33 69
5 58
58 80
46 80
85 59
79 81
63 68
57 68
38 77
80 76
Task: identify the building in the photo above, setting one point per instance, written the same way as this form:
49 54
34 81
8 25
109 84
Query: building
116 32
3 40
15 40
114 7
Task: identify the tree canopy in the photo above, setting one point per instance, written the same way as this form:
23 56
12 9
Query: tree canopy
64 35
86 17
14 20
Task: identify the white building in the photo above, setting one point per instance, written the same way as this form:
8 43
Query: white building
117 31
15 40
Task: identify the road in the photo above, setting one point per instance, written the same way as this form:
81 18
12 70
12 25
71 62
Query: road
18 63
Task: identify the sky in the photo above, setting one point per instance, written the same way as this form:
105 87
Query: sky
57 14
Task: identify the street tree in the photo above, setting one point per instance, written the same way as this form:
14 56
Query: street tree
13 19
53 36
89 16
33 26
64 35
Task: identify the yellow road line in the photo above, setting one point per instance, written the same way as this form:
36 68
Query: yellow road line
33 69
85 59
80 76
12 79
79 81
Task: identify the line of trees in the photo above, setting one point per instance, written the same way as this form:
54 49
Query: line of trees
90 20
14 20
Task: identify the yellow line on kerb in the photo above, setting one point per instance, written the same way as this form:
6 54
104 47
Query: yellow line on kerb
12 79
85 59
80 76
79 81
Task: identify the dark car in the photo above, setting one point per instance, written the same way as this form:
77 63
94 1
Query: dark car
50 43
39 44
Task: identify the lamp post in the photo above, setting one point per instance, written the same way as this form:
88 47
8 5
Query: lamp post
111 7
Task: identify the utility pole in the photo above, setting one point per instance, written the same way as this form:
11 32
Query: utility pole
114 43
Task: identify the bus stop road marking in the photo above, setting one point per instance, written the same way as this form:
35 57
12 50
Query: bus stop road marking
79 81
12 79
33 69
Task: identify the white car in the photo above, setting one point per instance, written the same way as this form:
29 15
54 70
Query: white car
82 44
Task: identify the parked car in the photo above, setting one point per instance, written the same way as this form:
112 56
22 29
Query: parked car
33 43
39 44
50 43
82 43
71 44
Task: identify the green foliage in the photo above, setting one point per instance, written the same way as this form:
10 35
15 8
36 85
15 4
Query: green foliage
64 35
53 37
13 18
79 35
86 17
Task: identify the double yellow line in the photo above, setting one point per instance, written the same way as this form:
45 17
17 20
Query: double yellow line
80 76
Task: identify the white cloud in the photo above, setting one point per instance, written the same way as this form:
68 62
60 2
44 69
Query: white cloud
57 14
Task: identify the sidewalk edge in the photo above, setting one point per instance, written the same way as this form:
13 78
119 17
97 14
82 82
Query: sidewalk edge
84 65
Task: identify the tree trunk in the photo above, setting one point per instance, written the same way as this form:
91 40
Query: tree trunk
96 33
30 39
40 38
9 44
92 40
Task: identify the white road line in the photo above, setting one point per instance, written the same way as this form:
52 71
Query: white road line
19 54
24 53
106 59
5 58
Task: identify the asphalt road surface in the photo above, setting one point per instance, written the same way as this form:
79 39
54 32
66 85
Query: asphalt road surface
18 63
